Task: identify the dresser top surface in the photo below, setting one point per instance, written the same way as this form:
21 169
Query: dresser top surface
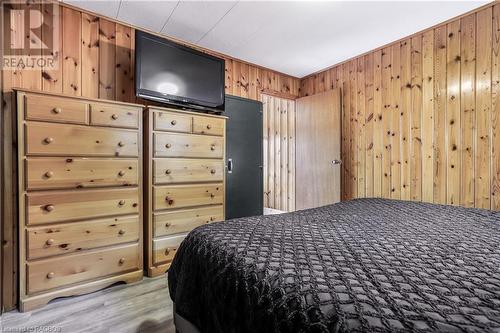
200 114
97 100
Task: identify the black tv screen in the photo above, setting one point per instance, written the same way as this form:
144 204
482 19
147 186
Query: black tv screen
172 73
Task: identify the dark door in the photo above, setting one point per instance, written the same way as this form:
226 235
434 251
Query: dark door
244 179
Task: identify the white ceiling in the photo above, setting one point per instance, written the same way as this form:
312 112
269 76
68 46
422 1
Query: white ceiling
293 37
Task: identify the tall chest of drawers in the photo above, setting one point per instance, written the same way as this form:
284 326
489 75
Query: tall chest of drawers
80 195
185 177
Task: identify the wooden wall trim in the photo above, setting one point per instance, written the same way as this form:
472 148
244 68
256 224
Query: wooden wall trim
426 127
278 94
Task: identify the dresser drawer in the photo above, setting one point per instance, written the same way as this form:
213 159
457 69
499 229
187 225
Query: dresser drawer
188 145
49 207
208 125
61 139
78 236
177 196
51 173
164 249
178 170
66 270
181 221
172 122
56 109
114 115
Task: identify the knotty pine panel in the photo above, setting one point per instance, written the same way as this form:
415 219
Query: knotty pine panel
378 132
279 152
353 143
346 185
405 110
495 120
395 136
467 111
360 124
427 126
90 55
386 116
71 52
107 59
440 70
416 119
453 146
369 121
96 60
435 129
483 108
52 78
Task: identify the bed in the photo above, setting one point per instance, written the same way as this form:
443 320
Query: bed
362 265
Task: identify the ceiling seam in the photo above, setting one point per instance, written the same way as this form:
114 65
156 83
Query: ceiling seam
169 16
216 23
119 7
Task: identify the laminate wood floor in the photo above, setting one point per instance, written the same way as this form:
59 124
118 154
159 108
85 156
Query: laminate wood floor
143 306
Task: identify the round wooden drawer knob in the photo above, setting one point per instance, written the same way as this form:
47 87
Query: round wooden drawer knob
167 252
209 126
121 202
121 144
121 261
173 122
168 145
50 275
212 147
57 110
49 241
121 173
212 195
49 174
49 208
114 116
169 201
168 224
121 232
168 171
212 171
48 140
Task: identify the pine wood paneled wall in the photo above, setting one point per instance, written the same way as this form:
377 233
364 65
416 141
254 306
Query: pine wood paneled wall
421 117
279 152
96 60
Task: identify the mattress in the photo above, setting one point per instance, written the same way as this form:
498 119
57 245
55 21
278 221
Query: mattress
363 265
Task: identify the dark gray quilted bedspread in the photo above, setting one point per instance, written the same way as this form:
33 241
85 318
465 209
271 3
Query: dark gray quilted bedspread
363 265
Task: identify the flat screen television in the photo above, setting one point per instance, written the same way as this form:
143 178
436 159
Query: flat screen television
175 74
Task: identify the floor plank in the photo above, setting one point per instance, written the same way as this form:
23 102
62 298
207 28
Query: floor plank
140 307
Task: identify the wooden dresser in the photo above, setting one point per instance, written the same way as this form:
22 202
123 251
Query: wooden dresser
184 173
80 195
